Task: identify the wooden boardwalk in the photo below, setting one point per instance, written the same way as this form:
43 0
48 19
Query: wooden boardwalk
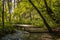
35 30
30 28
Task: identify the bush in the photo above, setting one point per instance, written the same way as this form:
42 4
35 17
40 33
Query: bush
6 30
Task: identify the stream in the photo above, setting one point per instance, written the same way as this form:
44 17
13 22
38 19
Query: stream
15 36
23 35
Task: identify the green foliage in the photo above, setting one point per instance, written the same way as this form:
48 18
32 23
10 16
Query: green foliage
6 30
25 13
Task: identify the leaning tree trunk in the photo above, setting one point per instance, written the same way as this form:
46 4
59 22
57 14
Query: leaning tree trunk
49 10
47 25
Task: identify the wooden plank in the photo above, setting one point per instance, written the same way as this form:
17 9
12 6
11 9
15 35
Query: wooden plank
25 26
35 30
31 28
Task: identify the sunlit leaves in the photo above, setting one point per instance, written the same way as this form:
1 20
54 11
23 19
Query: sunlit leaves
25 12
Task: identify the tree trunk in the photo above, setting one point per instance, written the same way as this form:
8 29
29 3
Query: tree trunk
11 8
49 10
3 14
47 25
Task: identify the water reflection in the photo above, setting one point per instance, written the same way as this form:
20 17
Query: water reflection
15 36
23 35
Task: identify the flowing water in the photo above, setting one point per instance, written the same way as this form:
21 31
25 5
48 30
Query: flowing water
22 35
15 36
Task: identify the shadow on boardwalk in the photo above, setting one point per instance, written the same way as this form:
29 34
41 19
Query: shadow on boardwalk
42 36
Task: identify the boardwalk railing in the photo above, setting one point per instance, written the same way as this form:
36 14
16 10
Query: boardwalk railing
31 28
